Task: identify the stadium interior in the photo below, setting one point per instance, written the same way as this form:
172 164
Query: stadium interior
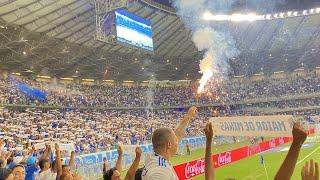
73 72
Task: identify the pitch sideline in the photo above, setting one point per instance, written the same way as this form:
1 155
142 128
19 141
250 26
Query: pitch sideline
308 155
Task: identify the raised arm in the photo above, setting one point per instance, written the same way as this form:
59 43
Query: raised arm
105 166
58 161
135 165
5 156
72 163
209 169
286 170
26 153
119 160
47 152
180 130
1 144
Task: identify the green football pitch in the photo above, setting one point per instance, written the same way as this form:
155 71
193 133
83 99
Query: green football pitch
251 168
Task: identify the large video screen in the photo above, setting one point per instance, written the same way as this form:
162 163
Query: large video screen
133 30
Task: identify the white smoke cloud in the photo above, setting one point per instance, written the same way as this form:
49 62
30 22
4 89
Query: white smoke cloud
217 44
149 94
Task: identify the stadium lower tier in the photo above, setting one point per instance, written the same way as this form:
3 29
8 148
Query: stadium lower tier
101 129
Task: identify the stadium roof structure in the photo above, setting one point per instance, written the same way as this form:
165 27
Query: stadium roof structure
52 37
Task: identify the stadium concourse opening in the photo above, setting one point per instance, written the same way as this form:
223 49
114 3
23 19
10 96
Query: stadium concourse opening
159 89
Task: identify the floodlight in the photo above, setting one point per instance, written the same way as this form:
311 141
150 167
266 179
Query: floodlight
305 12
221 18
311 11
207 16
268 16
282 15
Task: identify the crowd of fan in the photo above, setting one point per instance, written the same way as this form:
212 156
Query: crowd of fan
128 126
283 104
138 96
30 164
90 131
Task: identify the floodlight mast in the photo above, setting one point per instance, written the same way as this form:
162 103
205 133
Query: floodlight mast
103 9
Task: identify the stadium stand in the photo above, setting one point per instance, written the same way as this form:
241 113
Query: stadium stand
76 104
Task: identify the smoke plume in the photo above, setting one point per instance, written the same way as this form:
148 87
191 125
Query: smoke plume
213 39
149 96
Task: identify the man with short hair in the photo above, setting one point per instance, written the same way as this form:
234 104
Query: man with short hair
165 145
18 172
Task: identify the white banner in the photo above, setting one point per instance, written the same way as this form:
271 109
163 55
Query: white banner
267 126
63 147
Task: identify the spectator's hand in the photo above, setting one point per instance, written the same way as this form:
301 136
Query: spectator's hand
56 146
2 155
116 175
25 153
192 112
30 150
208 131
138 152
105 161
198 96
33 148
48 147
310 173
120 148
9 153
299 134
76 176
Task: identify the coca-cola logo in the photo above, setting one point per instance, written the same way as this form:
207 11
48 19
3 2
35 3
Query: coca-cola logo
224 158
194 168
272 144
281 140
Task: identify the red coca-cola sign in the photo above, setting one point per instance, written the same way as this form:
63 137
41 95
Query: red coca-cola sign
224 158
281 140
194 168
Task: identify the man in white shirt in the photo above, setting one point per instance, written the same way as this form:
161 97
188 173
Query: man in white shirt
165 145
